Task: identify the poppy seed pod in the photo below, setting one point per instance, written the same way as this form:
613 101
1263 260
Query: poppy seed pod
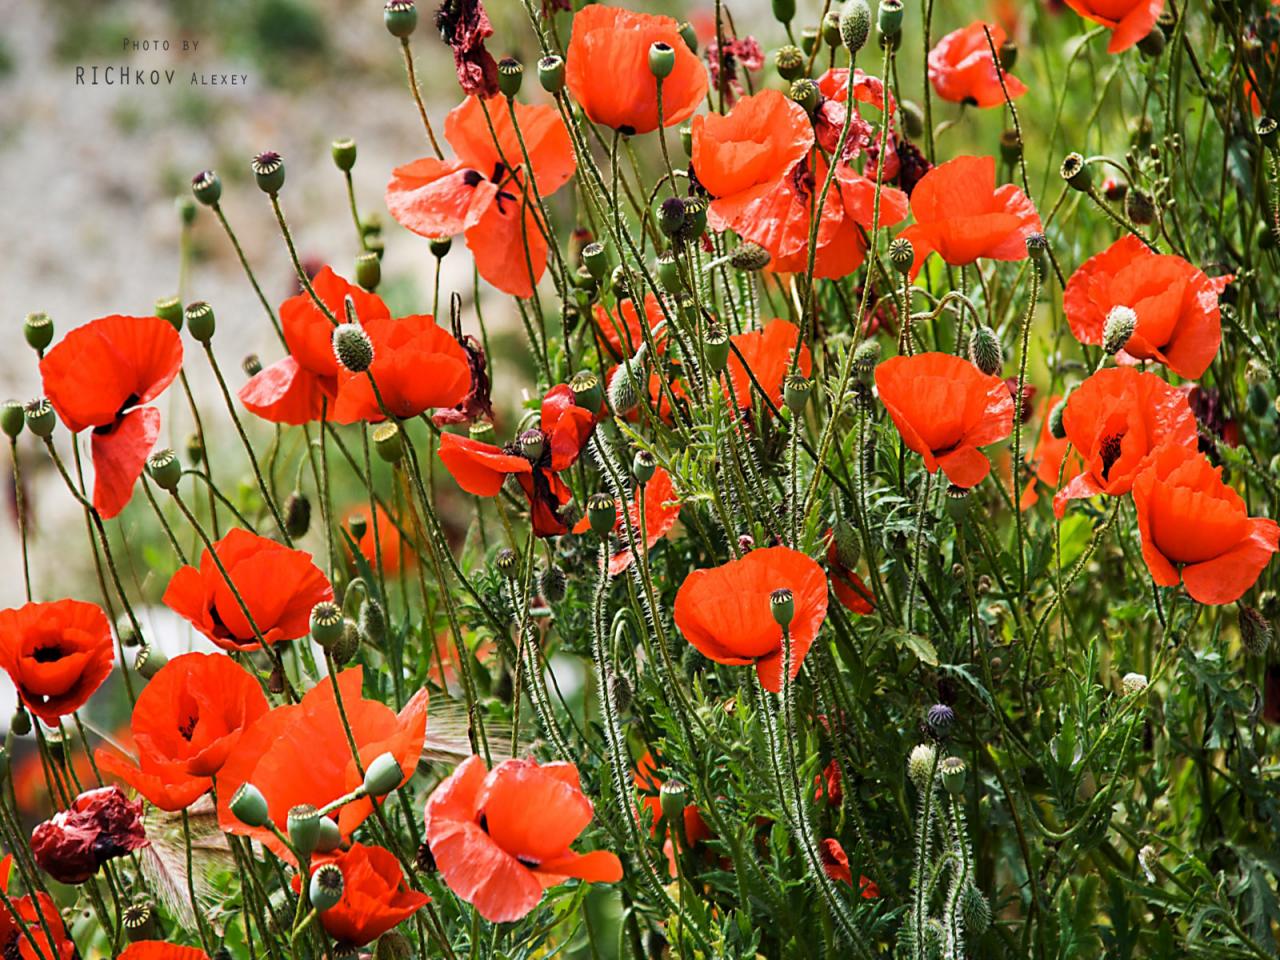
510 76
326 623
716 347
325 889
194 449
587 392
400 17
695 219
330 836
1152 45
831 29
790 62
507 563
749 256
1038 249
297 514
806 93
440 247
352 347
532 443
148 661
37 329
383 775
268 171
388 442
782 604
602 513
344 153
551 583
596 259
11 419
671 216
901 255
368 271
624 391
40 417
889 17
939 721
551 74
1010 147
975 910
784 11
249 806
668 266
1139 207
206 186
957 502
1120 324
1075 171
985 350
855 25
920 765
1255 631
662 59
303 825
139 922
1268 129
200 320
672 797
169 309
643 466
186 210
164 469
796 389
689 35
251 365
952 770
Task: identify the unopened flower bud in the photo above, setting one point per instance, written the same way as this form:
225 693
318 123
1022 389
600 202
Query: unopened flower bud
169 309
985 350
920 765
394 945
1133 683
790 62
303 825
587 392
624 392
848 546
325 889
297 514
400 17
206 187
1076 172
1255 631
643 466
749 256
602 513
352 347
344 153
662 59
782 604
551 583
671 216
249 806
902 255
40 417
551 74
1152 45
1007 55
38 330
855 25
373 621
784 11
20 722
1140 208
326 624
1010 147
164 469
369 271
383 775
200 320
889 17
268 171
348 645
975 910
1120 324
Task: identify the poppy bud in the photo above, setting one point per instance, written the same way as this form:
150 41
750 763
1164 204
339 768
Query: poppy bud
510 76
38 330
347 646
952 770
551 74
1133 683
330 836
268 170
686 139
889 17
249 806
1010 147
586 390
790 62
368 271
830 29
325 889
139 922
352 347
624 393
40 417
975 910
669 272
1255 631
672 797
1076 172
855 25
985 350
551 583
716 347
1152 45
507 562
643 466
602 512
303 825
806 93
867 355
596 260
400 17
957 502
1038 249
169 309
20 722
695 219
388 442
939 721
662 59
383 775
1008 55
394 945
326 623
795 392
749 256
901 255
689 35
1119 327
163 468
148 661
782 604
200 320
848 546
207 187
11 419
1139 208
1267 131
784 11
297 514
920 765
671 216
186 210
358 525
373 621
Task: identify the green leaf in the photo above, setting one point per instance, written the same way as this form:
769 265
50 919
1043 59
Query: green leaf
919 646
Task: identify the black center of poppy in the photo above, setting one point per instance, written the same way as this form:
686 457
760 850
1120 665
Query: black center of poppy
627 130
527 862
11 949
483 821
499 171
49 654
1110 453
472 178
188 728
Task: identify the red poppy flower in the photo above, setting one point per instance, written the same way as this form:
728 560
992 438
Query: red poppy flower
661 510
868 889
619 330
847 585
1115 419
304 385
57 654
375 897
501 836
100 376
945 408
607 70
479 468
747 150
279 586
1045 458
962 69
1196 529
835 862
566 426
829 784
299 754
768 354
481 193
417 366
726 614
22 927
1179 321
547 494
160 950
186 722
100 825
962 215
1128 20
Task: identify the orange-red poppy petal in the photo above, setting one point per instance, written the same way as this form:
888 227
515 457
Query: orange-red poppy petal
119 456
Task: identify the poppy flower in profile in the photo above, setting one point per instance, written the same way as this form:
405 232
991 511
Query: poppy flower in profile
607 70
1196 529
299 754
1128 20
661 510
417 366
186 721
278 585
1115 419
767 354
161 950
375 896
57 654
962 216
481 192
386 540
303 386
1045 458
100 825
1179 320
501 836
100 376
835 862
945 408
962 69
619 330
725 611
477 467
846 584
23 926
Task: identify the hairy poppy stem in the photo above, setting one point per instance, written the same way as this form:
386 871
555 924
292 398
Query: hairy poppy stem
417 96
20 510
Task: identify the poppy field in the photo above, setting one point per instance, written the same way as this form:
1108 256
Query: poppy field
834 516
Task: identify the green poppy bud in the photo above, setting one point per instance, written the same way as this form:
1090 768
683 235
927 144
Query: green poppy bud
303 825
855 25
207 187
297 514
784 11
40 417
373 621
602 512
249 806
662 59
368 271
1256 635
1120 324
164 469
920 765
985 350
383 775
38 330
551 584
551 74
20 723
12 419
344 153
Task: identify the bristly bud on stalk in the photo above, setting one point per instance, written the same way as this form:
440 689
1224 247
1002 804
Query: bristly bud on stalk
1255 631
806 93
796 389
695 219
952 770
400 17
668 267
716 346
587 392
1152 45
383 775
352 347
347 646
552 583
297 514
689 35
1076 172
784 11
344 154
551 73
373 621
985 350
40 417
1268 129
1140 208
901 255
249 806
169 309
507 562
620 282
782 604
148 661
388 442
596 259
889 17
251 365
394 945
268 171
1010 147
200 320
139 922
671 216
37 329
643 466
325 889
939 721
1119 327
602 513
848 545
1133 683
369 271
920 765
749 256
510 77
11 419
207 187
975 910
326 624
164 469
790 62
303 823
624 391
866 356
662 59
855 25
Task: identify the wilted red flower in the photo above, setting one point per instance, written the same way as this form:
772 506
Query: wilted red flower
99 377
945 408
725 611
417 366
303 386
1196 529
57 654
863 137
22 927
745 52
464 26
1179 321
607 70
500 837
661 510
375 897
1115 419
299 754
481 193
962 215
1128 20
278 585
186 721
846 584
619 330
101 825
475 404
1045 458
477 467
962 69
161 950
768 353
547 494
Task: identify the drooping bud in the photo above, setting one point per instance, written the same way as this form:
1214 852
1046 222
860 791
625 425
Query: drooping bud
297 514
602 513
40 417
206 187
1152 45
784 11
1076 172
1010 147
551 583
352 347
325 889
782 604
249 806
169 309
790 62
551 74
848 546
383 775
1255 631
912 118
200 320
624 392
985 350
1140 208
303 825
400 17
952 770
388 441
510 77
1119 327
268 171
1007 54
901 255
347 646
855 25
20 722
976 910
671 216
164 469
38 330
373 621
662 59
